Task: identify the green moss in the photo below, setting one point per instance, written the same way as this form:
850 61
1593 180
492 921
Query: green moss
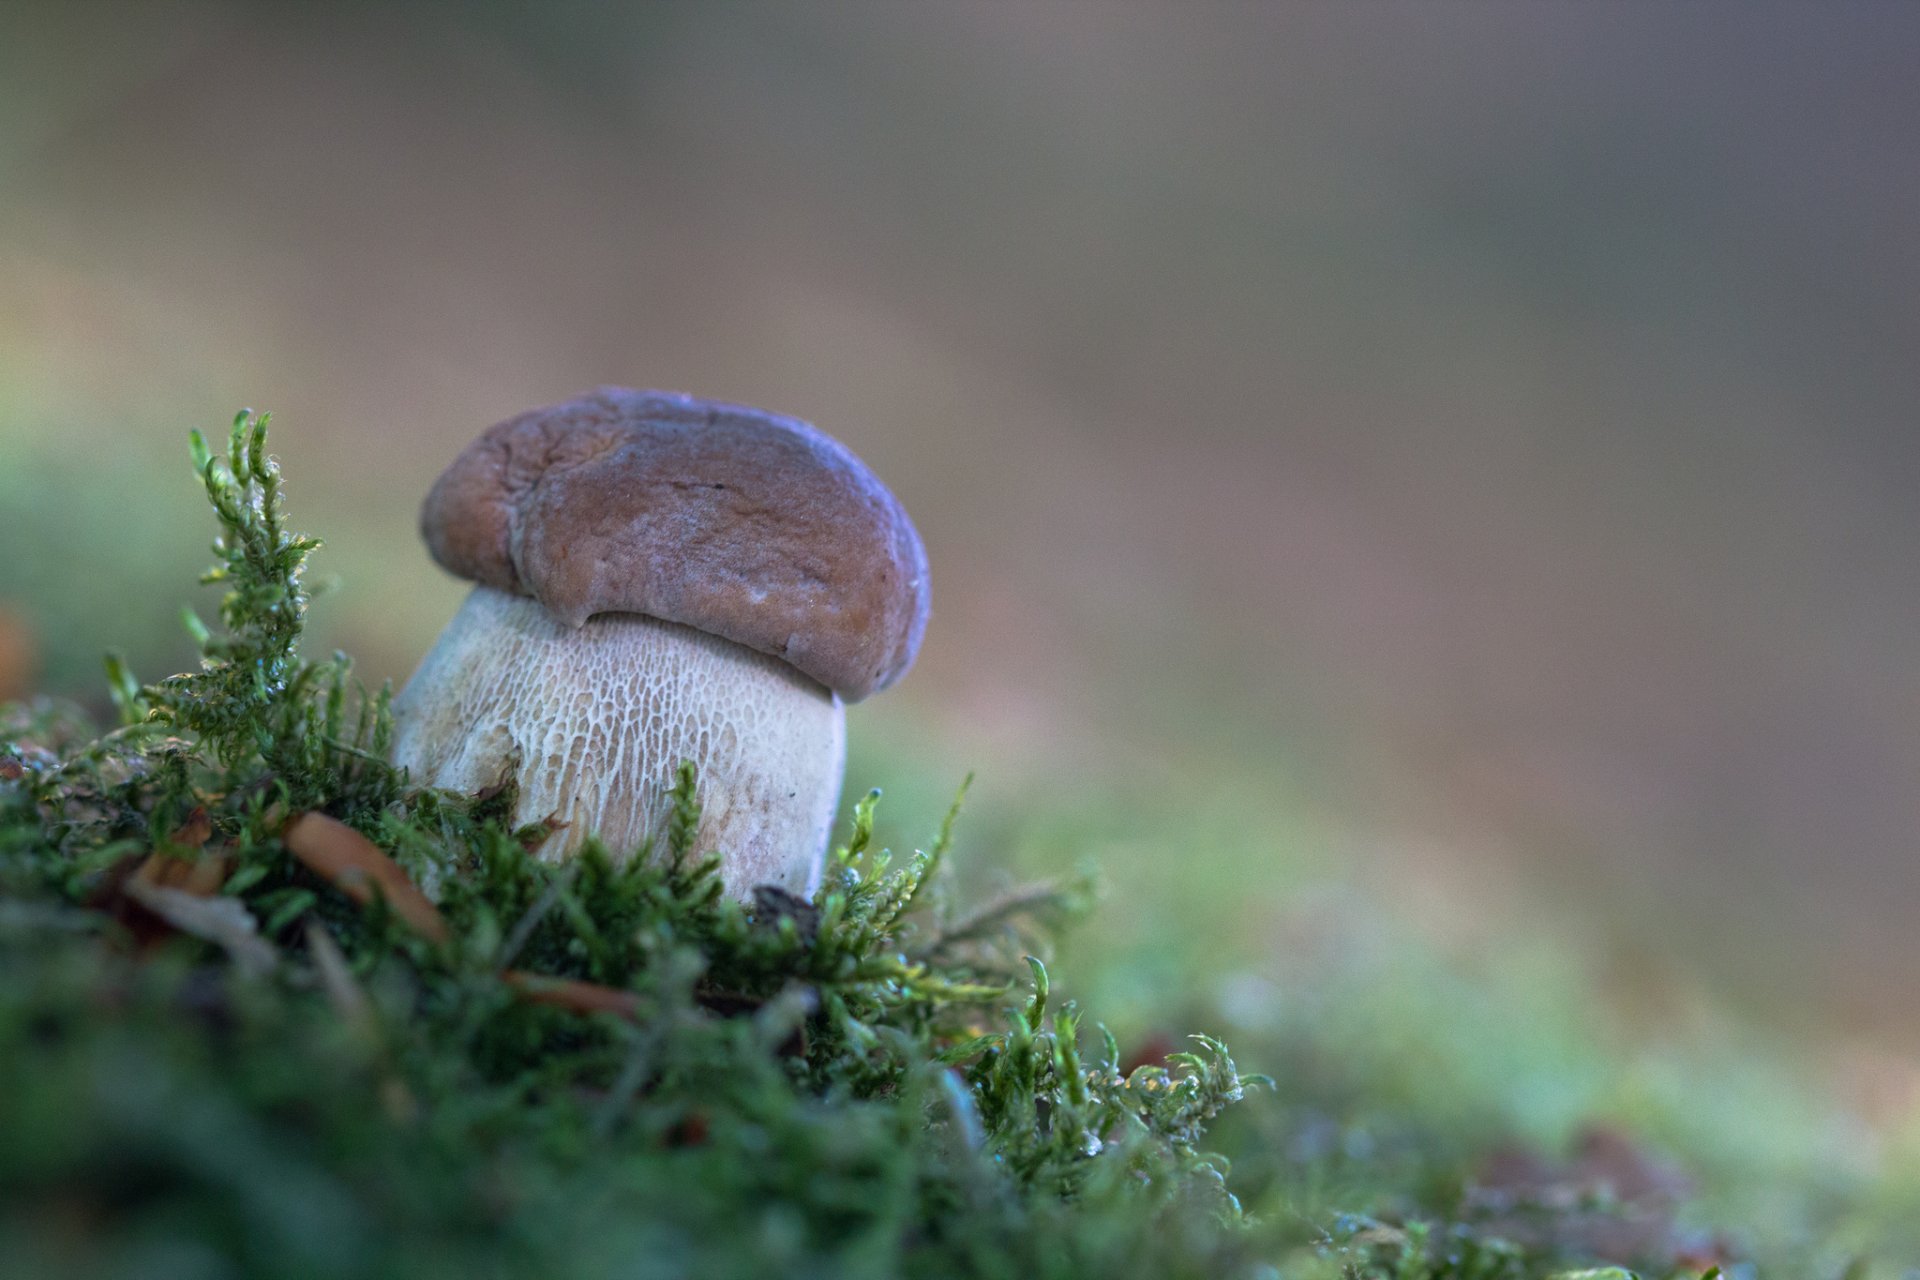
870 1083
877 1082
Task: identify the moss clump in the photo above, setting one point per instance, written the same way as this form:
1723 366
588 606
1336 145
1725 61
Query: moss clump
214 1062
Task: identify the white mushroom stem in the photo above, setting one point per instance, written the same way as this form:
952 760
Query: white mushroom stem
591 725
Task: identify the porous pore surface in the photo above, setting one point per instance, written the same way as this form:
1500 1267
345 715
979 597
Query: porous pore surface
592 723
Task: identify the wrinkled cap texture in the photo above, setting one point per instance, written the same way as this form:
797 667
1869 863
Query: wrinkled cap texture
744 524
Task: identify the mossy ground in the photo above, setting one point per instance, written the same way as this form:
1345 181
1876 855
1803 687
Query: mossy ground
215 1061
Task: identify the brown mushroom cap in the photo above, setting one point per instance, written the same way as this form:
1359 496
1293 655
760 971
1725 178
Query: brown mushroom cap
744 524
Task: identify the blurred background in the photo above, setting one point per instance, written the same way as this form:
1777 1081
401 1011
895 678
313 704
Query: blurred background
1412 490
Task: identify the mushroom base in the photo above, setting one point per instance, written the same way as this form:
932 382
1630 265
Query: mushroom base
590 725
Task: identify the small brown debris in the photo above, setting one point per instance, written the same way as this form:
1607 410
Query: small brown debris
19 655
572 994
194 831
11 770
535 834
690 1130
1151 1051
201 877
354 865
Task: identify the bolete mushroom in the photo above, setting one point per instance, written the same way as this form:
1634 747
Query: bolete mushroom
661 578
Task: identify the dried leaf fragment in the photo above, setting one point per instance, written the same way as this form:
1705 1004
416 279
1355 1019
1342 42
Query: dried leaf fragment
571 994
354 865
194 831
201 877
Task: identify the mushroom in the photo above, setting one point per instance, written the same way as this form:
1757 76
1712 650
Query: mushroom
661 578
